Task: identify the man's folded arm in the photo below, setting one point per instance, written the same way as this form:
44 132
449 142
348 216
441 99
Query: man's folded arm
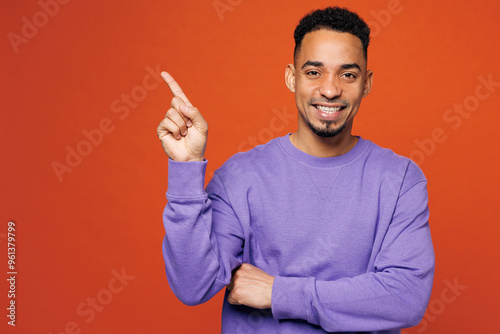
395 295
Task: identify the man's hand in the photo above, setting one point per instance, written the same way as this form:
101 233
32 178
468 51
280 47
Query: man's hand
250 286
183 132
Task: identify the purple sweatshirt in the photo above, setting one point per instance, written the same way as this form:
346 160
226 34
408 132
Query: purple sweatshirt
347 238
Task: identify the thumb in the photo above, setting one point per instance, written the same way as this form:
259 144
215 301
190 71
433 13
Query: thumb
193 115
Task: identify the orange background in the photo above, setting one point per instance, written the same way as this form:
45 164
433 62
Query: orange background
106 214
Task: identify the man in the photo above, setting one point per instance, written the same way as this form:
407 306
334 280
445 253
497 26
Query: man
317 231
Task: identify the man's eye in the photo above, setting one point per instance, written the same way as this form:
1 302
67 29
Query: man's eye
313 73
350 76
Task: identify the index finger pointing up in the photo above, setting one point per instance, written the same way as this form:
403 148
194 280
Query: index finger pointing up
174 87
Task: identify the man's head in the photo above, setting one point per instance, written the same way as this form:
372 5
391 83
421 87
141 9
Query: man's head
336 19
329 76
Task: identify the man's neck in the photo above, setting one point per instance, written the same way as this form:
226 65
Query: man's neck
323 147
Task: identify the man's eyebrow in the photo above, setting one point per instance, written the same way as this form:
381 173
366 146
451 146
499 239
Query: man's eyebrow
349 66
320 64
313 63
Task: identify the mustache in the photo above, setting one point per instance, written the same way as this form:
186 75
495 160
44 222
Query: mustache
330 101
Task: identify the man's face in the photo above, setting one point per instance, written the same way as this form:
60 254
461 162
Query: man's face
329 79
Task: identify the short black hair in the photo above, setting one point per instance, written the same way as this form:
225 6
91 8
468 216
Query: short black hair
332 18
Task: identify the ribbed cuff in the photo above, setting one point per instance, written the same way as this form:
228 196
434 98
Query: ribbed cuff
186 178
287 298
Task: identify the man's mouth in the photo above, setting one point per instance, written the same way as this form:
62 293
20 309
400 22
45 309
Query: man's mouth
328 110
330 113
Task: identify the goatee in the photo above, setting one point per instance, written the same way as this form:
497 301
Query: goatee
326 131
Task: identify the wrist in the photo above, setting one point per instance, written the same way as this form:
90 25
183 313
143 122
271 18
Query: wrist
186 179
197 159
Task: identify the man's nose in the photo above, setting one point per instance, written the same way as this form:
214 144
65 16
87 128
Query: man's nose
330 87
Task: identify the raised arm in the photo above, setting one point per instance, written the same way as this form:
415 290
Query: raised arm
198 262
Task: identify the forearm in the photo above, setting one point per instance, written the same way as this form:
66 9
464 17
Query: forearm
191 262
196 269
197 264
369 302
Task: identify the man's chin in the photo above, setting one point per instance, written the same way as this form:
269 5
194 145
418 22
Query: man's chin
326 131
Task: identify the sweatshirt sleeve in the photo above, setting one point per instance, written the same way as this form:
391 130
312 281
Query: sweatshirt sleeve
198 265
395 295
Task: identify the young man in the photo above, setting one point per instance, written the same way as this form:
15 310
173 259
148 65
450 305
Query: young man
316 231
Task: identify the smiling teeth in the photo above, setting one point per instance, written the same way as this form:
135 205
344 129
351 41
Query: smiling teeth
328 109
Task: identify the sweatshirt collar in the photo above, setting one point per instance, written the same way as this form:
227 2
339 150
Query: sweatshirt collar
314 161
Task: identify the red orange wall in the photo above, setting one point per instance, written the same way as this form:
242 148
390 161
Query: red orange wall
88 223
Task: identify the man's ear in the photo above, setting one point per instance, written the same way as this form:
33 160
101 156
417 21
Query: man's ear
290 77
368 83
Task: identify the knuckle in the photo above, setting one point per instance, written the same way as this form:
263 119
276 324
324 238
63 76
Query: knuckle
162 125
235 283
176 101
170 113
159 131
178 90
234 294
